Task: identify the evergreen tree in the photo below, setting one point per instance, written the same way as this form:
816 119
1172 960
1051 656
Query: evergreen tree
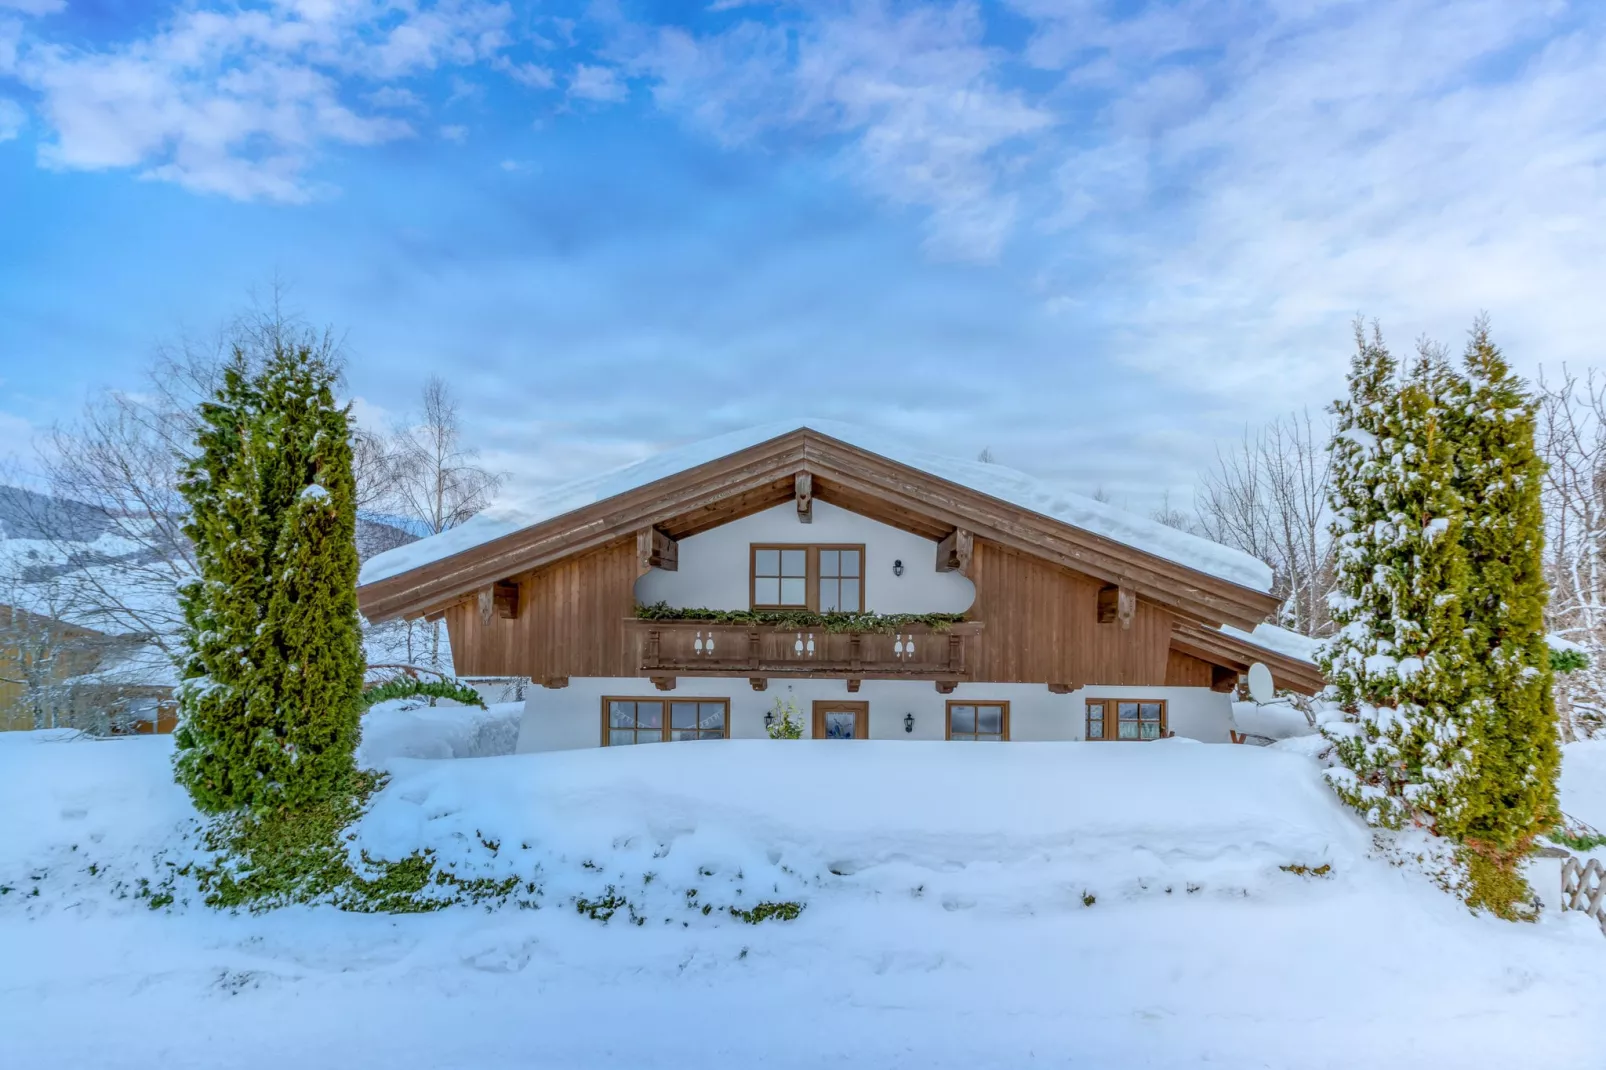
1399 658
1512 797
272 691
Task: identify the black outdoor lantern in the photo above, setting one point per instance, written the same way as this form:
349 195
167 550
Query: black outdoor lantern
769 719
908 722
897 568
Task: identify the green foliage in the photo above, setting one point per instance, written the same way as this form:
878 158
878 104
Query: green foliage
271 693
1511 792
412 686
802 618
787 723
271 858
786 911
1400 658
1440 658
1568 660
1579 841
1299 869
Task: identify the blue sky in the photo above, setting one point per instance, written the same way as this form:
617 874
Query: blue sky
1098 238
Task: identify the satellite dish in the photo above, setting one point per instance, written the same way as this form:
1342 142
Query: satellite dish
1261 689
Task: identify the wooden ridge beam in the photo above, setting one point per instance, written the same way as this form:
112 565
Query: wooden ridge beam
803 491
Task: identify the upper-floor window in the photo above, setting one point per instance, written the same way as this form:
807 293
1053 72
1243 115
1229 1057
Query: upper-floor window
1119 718
825 578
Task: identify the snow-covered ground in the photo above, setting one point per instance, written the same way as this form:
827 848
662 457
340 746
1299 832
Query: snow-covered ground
1030 904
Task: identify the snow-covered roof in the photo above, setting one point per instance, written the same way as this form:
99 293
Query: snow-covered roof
513 512
1277 640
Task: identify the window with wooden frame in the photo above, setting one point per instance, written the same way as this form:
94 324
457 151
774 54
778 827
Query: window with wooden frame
986 721
826 578
655 720
1118 719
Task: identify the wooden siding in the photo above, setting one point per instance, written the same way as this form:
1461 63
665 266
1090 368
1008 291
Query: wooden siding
570 622
1041 626
1185 670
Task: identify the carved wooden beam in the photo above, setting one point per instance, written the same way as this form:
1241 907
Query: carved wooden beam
486 596
505 594
654 549
955 551
1117 603
664 683
1061 689
946 687
555 682
853 685
759 683
803 489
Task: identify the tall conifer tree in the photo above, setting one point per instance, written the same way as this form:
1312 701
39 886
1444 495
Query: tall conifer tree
1399 656
271 697
1513 794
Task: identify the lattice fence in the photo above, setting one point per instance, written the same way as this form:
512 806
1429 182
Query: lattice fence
1583 887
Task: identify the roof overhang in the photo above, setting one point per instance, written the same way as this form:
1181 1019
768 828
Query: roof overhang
762 476
1219 648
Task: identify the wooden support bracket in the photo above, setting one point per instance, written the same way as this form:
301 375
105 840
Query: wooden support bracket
803 490
1061 689
759 683
1117 603
505 594
486 596
955 551
654 549
946 687
853 685
555 682
664 683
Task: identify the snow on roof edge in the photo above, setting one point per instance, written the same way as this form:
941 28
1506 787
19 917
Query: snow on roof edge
1277 640
512 513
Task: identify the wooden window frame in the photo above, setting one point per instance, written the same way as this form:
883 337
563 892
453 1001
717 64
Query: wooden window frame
667 701
811 572
976 737
861 726
1112 721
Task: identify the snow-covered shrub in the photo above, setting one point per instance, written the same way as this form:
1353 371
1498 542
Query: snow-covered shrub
784 721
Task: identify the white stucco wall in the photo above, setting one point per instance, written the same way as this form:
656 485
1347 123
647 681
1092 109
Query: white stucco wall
571 717
713 570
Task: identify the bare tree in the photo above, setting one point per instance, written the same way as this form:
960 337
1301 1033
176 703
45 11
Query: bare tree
1572 441
432 479
1267 496
1170 515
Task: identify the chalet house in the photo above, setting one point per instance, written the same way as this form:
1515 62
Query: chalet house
679 598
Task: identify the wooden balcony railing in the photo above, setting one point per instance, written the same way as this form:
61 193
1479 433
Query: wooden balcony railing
698 648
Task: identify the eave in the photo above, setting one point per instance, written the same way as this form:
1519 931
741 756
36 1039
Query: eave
762 476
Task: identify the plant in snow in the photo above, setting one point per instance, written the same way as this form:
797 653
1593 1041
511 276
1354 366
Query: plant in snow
271 693
1511 796
786 722
1399 658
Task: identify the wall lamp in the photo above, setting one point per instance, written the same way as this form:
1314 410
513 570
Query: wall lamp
897 568
908 722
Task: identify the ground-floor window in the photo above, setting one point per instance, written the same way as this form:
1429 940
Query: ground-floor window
656 720
1125 719
978 720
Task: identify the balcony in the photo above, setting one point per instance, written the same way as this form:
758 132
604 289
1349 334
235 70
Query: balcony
666 649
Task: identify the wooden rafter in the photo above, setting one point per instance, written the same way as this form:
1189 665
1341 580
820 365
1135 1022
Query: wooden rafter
1234 655
654 549
955 551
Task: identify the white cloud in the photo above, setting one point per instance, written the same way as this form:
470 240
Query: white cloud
457 134
532 75
1376 158
916 92
12 119
239 101
590 82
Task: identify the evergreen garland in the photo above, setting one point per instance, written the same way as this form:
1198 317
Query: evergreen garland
271 695
801 618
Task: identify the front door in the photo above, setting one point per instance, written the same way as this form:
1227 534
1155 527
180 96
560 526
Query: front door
841 720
